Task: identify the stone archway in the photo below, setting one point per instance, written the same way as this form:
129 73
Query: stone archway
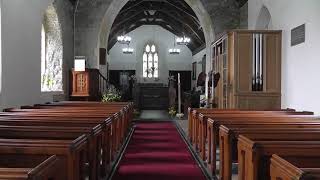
264 19
117 5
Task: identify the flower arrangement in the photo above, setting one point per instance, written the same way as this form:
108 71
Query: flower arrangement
111 95
172 111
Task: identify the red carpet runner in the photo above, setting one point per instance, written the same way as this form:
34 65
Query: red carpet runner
157 152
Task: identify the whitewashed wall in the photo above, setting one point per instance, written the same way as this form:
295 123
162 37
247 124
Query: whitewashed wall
163 39
21 52
300 63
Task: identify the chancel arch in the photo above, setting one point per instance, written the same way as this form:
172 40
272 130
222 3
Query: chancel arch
111 14
205 23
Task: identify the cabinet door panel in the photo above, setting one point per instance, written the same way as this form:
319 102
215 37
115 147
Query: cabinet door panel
244 62
273 62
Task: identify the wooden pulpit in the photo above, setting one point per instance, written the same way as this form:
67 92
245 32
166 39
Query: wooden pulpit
85 85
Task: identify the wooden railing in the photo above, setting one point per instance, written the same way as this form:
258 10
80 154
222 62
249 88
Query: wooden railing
103 83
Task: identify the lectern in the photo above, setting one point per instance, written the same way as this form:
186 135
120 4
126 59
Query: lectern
85 85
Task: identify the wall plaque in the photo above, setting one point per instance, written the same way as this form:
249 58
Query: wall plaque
298 35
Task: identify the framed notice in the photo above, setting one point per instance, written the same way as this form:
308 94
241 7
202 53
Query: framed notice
80 63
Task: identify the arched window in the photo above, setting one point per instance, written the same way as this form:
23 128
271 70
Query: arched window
150 64
43 55
264 19
51 52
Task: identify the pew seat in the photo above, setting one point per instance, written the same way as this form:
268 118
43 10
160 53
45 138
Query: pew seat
45 169
281 169
70 152
254 155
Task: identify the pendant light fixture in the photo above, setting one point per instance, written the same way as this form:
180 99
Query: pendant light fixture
184 40
174 50
124 39
127 50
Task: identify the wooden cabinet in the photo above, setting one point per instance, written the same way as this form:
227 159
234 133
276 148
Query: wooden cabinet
249 64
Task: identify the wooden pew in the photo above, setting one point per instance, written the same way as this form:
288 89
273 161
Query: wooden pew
281 169
128 105
194 112
72 113
245 120
94 136
118 128
200 120
127 108
228 140
58 113
46 169
70 152
254 155
201 134
107 142
121 123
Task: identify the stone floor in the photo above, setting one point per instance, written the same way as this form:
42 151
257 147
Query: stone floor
154 115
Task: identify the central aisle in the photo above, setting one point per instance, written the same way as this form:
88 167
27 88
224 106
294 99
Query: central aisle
157 152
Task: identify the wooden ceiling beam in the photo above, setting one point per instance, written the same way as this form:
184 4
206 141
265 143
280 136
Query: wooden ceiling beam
172 8
174 16
127 22
169 17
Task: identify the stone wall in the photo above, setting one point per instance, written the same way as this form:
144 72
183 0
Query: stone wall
224 14
65 14
89 15
244 17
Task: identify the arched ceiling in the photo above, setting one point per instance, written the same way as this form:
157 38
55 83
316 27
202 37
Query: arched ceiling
174 16
224 15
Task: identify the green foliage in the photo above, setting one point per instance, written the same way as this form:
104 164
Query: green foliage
172 111
136 113
47 80
111 95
